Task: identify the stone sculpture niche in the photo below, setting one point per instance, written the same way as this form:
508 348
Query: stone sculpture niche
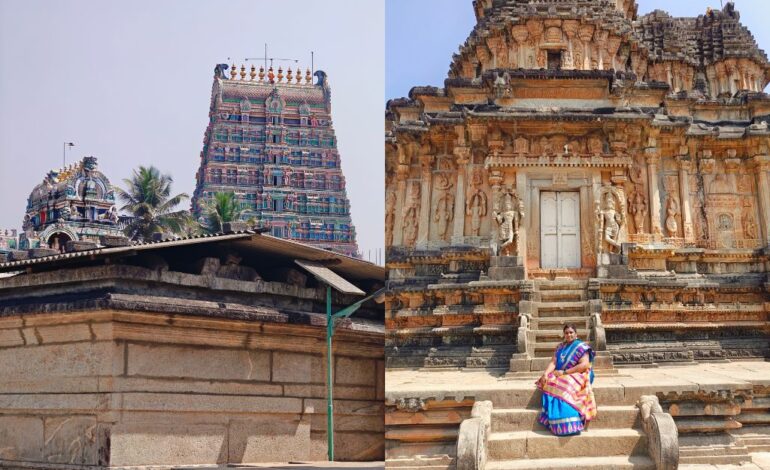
610 218
411 214
508 222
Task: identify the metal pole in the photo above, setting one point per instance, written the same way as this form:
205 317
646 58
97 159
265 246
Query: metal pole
329 375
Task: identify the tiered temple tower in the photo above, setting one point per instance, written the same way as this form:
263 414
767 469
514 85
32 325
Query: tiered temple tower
74 203
270 141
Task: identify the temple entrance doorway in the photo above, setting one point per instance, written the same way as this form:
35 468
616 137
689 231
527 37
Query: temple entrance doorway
559 229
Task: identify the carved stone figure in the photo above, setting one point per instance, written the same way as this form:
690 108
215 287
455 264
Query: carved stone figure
749 225
445 206
476 208
672 212
508 223
638 209
611 217
412 214
390 216
502 85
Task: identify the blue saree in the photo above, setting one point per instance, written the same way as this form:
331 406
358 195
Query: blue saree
568 401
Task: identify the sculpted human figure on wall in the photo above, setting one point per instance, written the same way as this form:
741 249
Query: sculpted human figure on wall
445 206
411 215
611 218
508 222
672 212
476 207
390 216
638 209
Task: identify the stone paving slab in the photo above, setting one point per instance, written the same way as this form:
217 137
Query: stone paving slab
447 384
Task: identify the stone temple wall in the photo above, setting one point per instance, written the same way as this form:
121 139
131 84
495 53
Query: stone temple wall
158 355
116 388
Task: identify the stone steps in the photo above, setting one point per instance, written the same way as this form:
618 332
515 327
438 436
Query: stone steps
557 334
755 438
562 296
561 284
541 444
557 323
637 462
546 349
524 419
560 309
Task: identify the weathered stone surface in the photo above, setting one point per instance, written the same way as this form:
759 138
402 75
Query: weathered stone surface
71 440
134 444
196 363
298 368
278 438
21 438
355 371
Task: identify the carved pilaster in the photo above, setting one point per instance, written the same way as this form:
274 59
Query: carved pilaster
426 162
685 165
463 157
762 166
652 155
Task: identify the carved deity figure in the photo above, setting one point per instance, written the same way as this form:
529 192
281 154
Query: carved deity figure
411 215
672 212
502 85
637 206
445 206
390 216
521 146
749 225
611 218
476 208
508 223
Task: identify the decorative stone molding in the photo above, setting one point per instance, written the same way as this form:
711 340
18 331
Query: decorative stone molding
662 435
473 436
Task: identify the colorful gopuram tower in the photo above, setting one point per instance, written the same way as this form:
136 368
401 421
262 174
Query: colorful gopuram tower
270 141
75 203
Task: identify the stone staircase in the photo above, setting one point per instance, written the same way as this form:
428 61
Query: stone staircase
555 303
614 440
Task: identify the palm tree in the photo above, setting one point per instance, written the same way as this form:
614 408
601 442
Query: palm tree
220 209
148 200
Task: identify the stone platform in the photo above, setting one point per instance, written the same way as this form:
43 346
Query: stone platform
720 411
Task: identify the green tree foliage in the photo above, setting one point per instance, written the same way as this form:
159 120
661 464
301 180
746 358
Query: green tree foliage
220 209
147 199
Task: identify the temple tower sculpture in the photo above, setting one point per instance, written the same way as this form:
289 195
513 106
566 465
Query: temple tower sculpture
619 162
74 203
270 141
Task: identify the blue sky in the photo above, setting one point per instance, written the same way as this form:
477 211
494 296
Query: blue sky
422 35
130 83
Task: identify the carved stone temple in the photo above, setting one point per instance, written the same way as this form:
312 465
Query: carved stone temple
582 163
270 141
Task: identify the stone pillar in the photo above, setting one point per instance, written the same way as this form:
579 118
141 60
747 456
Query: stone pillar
425 206
653 158
685 164
402 173
762 163
463 157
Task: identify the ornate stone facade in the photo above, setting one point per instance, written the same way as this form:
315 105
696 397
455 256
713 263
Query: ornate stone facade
582 163
270 141
75 203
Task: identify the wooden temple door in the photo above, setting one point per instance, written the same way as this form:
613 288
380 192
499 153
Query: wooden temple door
559 229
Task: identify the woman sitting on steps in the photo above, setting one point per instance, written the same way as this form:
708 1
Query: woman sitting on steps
568 399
